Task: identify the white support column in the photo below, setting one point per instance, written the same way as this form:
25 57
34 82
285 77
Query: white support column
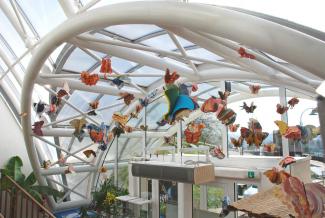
155 198
133 182
284 117
185 204
179 127
203 197
224 131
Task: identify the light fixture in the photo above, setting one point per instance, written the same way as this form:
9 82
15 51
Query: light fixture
321 89
314 111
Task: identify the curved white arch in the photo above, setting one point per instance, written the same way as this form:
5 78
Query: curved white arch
246 29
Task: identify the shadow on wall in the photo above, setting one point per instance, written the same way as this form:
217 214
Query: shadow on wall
11 139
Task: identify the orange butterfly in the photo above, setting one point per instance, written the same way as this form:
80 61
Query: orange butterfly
281 109
255 89
170 78
275 176
89 152
233 127
288 160
69 170
127 97
102 169
89 79
106 66
237 142
244 54
293 101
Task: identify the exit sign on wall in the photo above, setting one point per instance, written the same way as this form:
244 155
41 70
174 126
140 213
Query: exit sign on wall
251 174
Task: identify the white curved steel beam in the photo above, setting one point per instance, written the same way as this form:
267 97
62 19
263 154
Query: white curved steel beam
174 14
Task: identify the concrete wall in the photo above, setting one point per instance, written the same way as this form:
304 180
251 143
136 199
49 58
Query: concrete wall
11 139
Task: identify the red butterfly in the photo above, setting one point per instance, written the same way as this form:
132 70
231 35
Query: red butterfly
233 127
106 66
244 54
255 89
293 101
89 79
37 128
217 152
287 161
249 109
237 142
170 78
89 152
127 97
281 109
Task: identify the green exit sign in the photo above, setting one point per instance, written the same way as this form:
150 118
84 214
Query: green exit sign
251 174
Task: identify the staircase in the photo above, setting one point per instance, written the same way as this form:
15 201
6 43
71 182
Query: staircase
15 202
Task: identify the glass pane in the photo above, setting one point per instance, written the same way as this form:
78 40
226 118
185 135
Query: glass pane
133 31
162 42
44 15
10 35
168 199
79 61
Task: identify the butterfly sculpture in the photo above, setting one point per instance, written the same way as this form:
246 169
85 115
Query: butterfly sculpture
70 169
93 105
255 89
37 128
106 66
224 95
248 109
276 176
212 104
180 104
281 109
78 125
233 127
289 132
62 159
127 97
46 164
170 78
99 134
63 91
102 169
217 152
89 152
253 134
193 132
40 108
89 79
288 160
293 101
170 140
242 52
120 118
237 143
219 105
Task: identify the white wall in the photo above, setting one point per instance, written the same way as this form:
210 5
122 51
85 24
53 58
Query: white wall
11 139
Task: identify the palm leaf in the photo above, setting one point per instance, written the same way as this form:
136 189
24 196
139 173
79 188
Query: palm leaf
13 169
30 180
36 195
47 191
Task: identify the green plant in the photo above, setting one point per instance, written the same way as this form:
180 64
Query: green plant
13 170
104 199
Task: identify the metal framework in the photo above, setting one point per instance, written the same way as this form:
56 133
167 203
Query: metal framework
227 30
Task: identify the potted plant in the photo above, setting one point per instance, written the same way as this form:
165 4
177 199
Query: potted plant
13 170
104 199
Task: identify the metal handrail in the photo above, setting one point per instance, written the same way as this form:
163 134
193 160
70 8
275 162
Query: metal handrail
20 210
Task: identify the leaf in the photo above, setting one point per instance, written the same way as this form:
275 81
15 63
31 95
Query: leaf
30 180
13 169
36 195
45 190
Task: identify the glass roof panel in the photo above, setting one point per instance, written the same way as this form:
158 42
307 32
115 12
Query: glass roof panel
79 61
203 53
162 42
9 33
44 15
290 10
122 65
133 31
146 81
